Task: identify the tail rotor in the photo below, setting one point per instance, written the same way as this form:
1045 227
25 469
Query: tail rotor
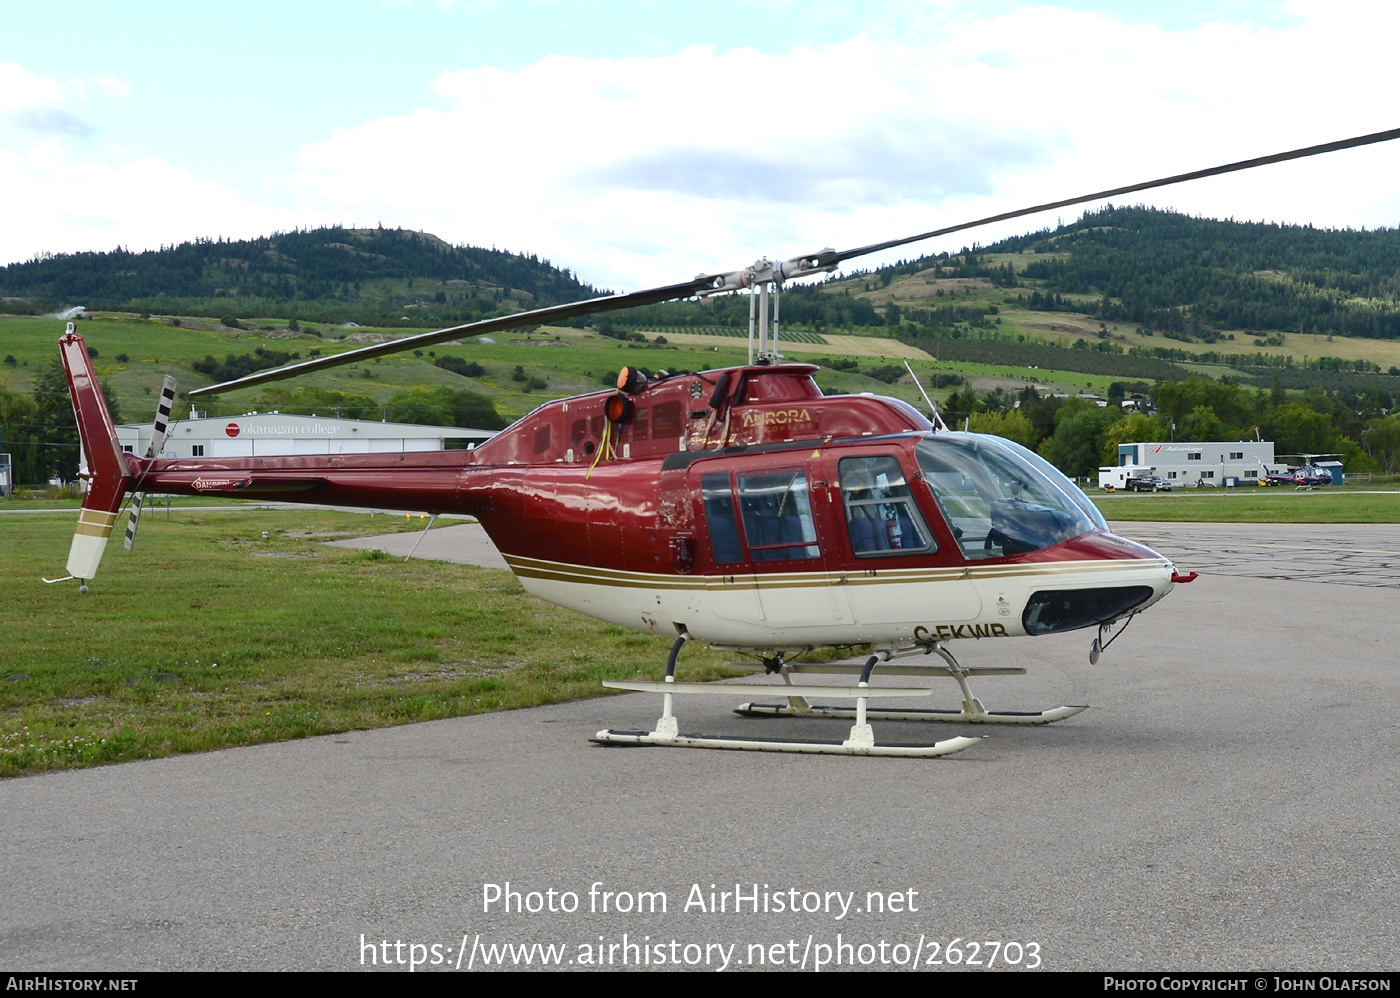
160 433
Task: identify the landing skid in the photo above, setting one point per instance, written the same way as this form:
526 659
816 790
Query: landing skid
860 741
964 716
945 747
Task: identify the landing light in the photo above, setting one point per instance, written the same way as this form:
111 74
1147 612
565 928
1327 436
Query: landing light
618 408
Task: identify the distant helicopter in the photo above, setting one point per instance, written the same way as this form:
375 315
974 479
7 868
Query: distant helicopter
739 507
1306 476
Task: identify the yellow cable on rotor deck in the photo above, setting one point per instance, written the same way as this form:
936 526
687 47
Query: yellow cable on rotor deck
604 444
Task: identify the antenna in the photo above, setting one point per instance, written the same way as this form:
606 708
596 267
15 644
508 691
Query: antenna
937 419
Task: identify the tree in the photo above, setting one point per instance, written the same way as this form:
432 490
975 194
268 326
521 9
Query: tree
17 412
466 368
55 434
1299 429
1201 423
960 405
1232 405
307 400
1080 432
1382 442
441 406
1135 427
1013 425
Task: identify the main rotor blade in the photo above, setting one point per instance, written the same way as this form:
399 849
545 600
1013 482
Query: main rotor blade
705 282
539 316
826 259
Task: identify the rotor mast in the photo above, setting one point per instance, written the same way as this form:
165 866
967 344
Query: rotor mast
763 278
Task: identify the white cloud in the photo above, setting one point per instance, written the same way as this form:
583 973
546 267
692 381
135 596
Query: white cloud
21 89
638 171
56 203
642 170
115 86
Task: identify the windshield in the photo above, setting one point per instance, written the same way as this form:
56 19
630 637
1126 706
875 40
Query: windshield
1000 499
1058 478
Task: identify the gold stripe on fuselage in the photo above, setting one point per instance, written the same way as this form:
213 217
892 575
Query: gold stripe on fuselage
553 571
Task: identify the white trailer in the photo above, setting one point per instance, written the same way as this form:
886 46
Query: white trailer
1116 477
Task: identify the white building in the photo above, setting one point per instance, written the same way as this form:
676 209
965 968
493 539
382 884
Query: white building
268 434
1231 462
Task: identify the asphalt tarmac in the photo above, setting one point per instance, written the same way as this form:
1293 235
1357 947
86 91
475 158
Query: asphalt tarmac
1228 803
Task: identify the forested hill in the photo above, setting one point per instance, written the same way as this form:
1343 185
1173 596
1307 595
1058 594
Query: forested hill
1172 271
330 273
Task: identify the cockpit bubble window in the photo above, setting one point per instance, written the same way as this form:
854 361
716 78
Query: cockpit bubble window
1058 478
777 513
881 516
997 502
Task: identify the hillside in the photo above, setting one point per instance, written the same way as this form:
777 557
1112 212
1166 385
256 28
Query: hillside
331 275
1178 273
1134 292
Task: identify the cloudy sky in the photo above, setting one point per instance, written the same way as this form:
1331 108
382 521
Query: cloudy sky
641 142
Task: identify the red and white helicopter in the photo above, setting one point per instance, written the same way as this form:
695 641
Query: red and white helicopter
1307 476
738 507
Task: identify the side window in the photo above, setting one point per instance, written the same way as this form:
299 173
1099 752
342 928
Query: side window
197 450
881 516
777 512
719 518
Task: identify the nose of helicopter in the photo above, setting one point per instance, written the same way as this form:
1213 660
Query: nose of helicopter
1104 577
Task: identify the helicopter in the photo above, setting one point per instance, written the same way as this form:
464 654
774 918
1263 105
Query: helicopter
739 507
1308 476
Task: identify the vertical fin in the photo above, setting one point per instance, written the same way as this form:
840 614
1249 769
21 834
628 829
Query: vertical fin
108 477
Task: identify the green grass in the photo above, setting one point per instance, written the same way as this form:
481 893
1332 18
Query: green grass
308 640
1378 503
584 363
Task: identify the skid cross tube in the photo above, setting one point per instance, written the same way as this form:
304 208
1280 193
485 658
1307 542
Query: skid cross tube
971 712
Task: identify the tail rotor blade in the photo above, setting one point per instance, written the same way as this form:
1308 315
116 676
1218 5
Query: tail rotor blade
133 520
160 432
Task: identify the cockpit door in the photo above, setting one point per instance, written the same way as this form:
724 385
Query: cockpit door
892 565
768 531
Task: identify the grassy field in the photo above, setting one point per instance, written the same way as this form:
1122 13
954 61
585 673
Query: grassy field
209 636
569 361
1378 503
